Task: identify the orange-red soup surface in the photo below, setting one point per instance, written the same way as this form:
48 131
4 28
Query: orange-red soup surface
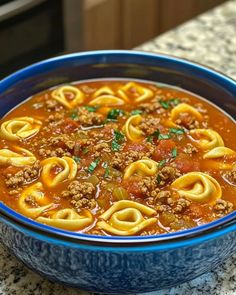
118 157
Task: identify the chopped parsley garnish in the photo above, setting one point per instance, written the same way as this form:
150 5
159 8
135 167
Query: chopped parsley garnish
154 134
118 139
107 172
115 146
174 152
74 116
91 109
93 165
166 104
119 136
177 131
164 136
114 114
158 179
136 112
161 163
77 159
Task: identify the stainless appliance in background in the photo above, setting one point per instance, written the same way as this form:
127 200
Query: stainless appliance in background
32 30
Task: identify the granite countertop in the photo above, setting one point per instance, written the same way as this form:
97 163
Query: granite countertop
211 40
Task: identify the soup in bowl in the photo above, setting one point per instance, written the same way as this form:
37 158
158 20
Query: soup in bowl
117 166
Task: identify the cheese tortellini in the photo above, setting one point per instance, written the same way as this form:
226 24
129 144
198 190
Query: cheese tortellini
33 201
185 108
106 97
218 152
131 129
66 166
144 167
68 219
20 158
198 186
143 92
126 218
206 139
20 128
69 96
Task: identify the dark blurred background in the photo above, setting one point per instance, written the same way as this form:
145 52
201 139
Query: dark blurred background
31 30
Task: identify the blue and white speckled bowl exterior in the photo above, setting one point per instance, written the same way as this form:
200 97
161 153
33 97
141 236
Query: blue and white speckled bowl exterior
118 264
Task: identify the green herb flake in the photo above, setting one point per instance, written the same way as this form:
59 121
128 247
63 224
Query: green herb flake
164 136
107 172
74 116
114 114
136 112
174 152
177 131
91 109
164 104
119 136
149 138
93 165
115 146
158 179
156 133
161 163
76 159
174 101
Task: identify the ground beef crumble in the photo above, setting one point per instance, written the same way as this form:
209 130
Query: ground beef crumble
167 174
190 149
87 118
222 207
230 176
121 160
25 176
149 124
81 194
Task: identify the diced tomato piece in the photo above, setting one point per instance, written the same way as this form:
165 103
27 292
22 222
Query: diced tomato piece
69 126
134 146
164 149
132 186
185 164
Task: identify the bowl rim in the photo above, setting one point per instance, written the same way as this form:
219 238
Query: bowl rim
15 217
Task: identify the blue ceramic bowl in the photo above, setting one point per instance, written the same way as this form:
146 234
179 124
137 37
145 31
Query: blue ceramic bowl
118 264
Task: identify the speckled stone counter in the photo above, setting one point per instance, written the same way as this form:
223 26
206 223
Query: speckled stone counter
211 40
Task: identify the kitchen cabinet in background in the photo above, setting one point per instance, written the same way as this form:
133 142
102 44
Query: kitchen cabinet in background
124 24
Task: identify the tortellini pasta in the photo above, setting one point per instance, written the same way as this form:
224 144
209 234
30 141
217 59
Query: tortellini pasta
218 152
126 218
131 129
20 158
68 219
206 139
185 108
20 128
103 90
106 100
144 93
198 186
145 167
33 201
69 96
67 170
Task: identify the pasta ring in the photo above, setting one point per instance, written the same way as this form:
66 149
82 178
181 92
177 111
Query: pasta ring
132 132
126 218
68 172
35 194
103 90
59 94
198 186
143 167
23 158
210 139
144 93
184 108
106 100
218 152
20 128
68 219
